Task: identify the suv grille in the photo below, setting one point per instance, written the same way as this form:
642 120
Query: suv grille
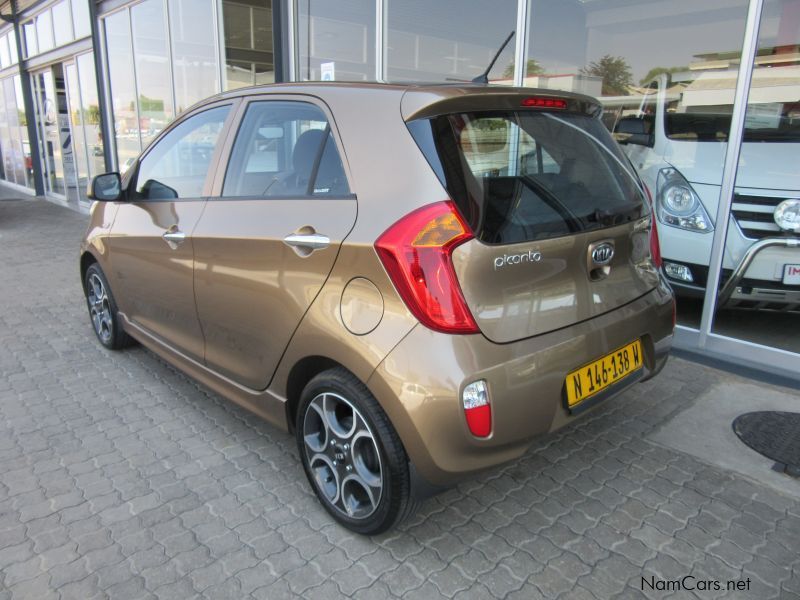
754 214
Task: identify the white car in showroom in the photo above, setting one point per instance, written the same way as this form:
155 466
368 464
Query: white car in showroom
675 134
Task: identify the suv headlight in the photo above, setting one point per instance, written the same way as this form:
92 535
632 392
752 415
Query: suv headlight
678 204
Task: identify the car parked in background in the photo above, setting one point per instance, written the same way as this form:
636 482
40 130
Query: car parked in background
415 280
676 136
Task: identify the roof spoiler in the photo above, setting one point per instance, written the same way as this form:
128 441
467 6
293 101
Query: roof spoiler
433 101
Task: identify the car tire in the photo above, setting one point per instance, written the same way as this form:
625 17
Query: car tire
103 311
352 455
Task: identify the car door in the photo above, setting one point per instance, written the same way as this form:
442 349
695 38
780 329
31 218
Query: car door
268 239
150 245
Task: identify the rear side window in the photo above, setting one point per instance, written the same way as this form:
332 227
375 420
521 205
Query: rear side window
525 176
284 149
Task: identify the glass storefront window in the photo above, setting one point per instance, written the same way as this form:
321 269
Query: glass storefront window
262 27
339 34
123 93
448 40
44 31
22 118
90 109
152 68
19 162
78 130
12 47
665 76
194 54
62 24
31 46
6 148
759 295
81 20
249 57
5 58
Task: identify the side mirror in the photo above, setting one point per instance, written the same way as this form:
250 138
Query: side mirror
636 139
634 130
105 188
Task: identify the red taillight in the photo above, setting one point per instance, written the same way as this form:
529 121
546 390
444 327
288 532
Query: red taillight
655 247
540 102
479 420
416 253
477 409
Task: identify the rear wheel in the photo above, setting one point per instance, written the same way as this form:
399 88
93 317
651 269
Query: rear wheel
351 454
103 310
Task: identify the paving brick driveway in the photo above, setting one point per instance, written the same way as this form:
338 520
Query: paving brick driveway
121 478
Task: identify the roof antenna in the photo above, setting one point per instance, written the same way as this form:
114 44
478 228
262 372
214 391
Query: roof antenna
484 77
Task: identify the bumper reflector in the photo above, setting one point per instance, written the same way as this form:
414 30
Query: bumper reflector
475 399
678 271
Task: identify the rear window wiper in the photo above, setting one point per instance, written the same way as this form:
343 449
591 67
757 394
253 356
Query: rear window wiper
572 221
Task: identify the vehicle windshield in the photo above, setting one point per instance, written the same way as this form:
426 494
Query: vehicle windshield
698 106
704 105
528 175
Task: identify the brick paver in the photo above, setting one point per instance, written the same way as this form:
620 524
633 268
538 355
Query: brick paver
121 478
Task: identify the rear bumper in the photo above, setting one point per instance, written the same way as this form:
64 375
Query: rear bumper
419 384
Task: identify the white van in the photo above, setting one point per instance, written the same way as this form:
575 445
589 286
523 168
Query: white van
675 134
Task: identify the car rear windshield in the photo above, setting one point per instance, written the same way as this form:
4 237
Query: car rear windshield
523 176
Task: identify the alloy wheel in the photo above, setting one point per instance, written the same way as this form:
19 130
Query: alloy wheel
99 308
342 456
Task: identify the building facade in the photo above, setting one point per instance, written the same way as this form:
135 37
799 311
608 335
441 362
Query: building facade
704 96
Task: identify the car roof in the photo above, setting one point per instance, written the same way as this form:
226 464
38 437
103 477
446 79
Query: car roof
423 99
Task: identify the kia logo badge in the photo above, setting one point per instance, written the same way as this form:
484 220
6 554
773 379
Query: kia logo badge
602 253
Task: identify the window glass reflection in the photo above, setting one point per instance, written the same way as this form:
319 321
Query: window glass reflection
340 32
81 18
62 24
123 93
448 40
759 296
23 132
177 166
78 129
44 31
12 47
90 109
152 68
20 159
5 142
195 65
665 73
29 30
249 57
5 59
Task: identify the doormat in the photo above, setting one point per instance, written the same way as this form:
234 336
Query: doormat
774 434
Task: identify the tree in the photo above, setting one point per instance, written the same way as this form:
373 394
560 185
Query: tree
656 71
615 72
92 115
532 67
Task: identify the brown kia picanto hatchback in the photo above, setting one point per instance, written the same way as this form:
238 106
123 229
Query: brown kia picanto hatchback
415 280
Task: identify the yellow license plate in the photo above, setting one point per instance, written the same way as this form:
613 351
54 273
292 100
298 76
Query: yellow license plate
605 371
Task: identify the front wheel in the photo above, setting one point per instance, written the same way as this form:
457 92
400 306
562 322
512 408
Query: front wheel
351 454
103 310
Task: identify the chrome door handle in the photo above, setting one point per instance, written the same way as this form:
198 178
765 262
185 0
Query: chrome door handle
174 237
312 241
